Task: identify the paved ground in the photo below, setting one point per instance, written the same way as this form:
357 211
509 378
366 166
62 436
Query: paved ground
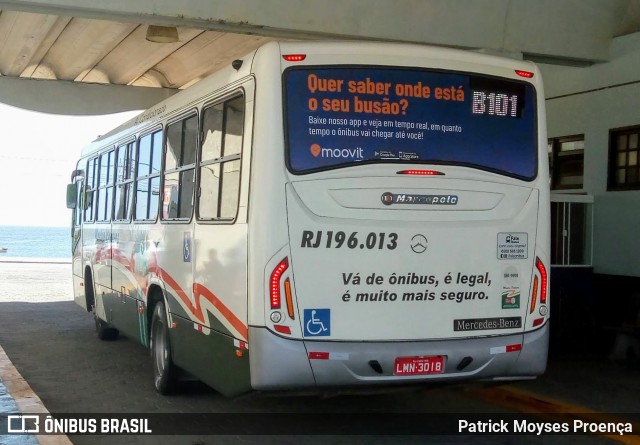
52 343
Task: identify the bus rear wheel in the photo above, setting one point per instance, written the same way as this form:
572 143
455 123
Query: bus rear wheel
164 372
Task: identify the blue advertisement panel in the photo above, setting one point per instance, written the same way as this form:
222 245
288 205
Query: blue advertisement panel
340 116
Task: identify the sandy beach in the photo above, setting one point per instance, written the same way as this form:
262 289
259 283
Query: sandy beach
35 282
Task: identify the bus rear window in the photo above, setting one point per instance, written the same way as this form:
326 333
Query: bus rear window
342 116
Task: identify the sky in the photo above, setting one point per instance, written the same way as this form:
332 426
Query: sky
38 152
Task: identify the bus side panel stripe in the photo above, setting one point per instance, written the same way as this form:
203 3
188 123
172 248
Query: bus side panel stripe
201 291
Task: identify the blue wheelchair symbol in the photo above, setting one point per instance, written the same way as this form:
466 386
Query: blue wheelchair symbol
317 322
186 247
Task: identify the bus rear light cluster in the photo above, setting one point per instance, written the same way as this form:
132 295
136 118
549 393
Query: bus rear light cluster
543 276
541 283
276 285
276 275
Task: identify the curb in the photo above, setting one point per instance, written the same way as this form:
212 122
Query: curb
24 397
18 259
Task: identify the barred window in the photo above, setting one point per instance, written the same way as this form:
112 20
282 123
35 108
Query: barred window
623 159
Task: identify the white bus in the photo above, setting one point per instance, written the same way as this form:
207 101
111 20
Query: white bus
326 215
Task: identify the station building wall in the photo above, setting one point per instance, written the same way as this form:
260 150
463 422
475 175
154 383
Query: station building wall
593 101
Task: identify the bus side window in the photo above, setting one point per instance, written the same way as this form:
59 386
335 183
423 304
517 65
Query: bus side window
148 176
77 212
90 190
125 160
222 128
105 186
180 163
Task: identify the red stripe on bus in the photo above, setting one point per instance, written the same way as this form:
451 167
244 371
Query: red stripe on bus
164 276
237 324
198 289
201 291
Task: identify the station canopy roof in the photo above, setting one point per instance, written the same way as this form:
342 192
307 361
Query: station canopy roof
42 46
77 41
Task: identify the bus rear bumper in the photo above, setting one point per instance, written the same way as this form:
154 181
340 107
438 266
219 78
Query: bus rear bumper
279 363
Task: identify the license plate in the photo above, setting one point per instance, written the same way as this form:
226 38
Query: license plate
419 365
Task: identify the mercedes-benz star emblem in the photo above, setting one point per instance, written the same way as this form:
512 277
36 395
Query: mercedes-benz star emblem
419 243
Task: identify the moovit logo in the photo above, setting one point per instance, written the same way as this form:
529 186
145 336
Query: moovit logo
324 152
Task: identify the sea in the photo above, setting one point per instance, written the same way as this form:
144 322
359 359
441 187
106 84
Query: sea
35 242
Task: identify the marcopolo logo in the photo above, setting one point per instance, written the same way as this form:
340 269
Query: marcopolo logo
389 198
348 153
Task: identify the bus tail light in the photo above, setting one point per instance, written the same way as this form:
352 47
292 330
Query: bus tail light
543 276
534 295
526 74
276 275
420 172
294 57
541 283
289 298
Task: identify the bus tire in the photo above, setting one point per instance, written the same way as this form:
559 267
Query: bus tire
164 372
104 330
